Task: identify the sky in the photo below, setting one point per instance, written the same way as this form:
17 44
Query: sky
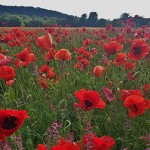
108 9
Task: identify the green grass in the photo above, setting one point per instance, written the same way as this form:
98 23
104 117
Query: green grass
56 104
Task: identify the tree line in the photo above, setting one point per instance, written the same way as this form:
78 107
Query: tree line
13 20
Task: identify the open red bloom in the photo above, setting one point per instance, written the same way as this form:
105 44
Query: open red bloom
50 54
63 54
7 73
138 49
45 42
125 93
41 147
98 71
132 75
46 69
120 59
89 100
99 143
24 58
136 105
129 65
5 60
11 121
112 48
65 145
9 83
87 42
82 64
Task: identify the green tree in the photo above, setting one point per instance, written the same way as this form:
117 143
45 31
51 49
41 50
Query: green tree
92 20
83 20
14 21
35 23
125 16
102 22
4 19
50 21
115 23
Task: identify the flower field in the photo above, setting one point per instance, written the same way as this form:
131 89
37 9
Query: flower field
75 88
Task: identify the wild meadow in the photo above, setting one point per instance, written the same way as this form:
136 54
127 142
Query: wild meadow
75 88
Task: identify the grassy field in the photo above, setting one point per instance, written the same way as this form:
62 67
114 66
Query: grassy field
80 84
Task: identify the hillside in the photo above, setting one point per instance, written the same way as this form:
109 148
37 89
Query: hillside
12 16
31 11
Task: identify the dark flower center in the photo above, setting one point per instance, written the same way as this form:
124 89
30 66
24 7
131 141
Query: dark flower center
23 58
137 51
134 108
88 104
9 123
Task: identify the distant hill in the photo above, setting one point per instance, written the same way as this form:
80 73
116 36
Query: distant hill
31 11
12 16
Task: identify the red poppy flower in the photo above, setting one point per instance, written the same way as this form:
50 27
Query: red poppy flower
87 42
138 49
108 140
5 60
120 59
24 58
43 81
48 70
125 93
82 64
129 65
50 55
112 48
147 104
11 121
65 145
80 57
87 55
58 39
89 100
32 57
103 35
9 83
45 42
132 76
7 73
98 71
136 105
120 38
102 143
81 50
41 147
63 54
94 51
97 42
146 87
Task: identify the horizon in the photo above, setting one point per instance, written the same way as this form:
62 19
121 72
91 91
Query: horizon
116 9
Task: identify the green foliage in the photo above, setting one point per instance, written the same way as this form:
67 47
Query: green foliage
14 21
38 17
92 20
